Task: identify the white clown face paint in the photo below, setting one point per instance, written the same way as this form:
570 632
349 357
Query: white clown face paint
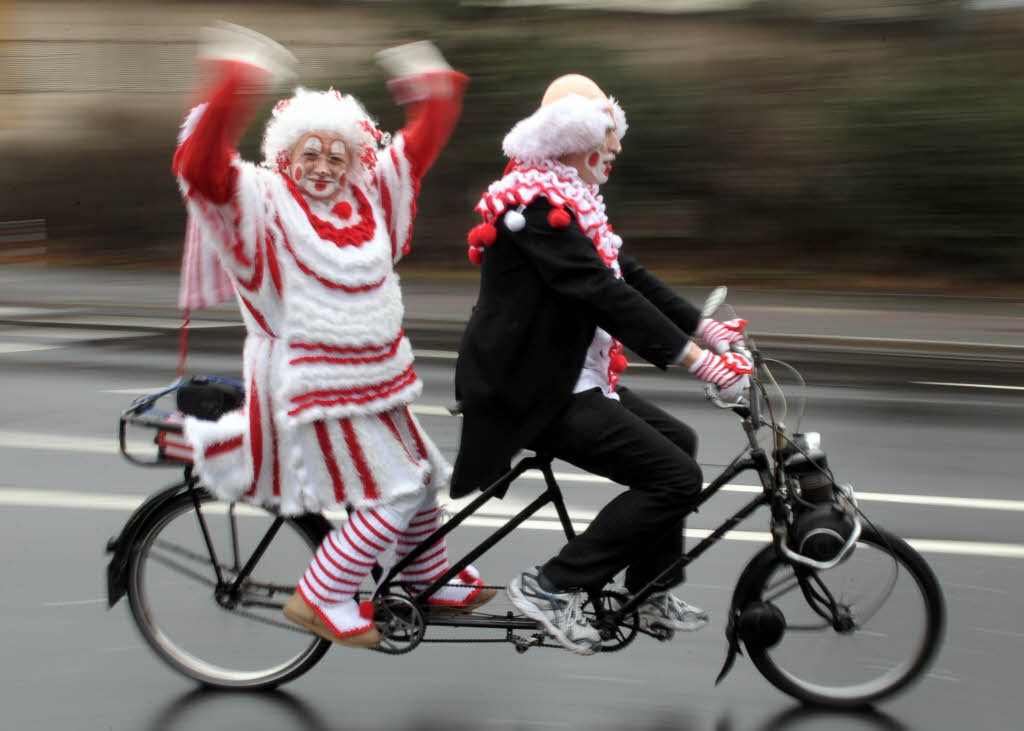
319 162
595 166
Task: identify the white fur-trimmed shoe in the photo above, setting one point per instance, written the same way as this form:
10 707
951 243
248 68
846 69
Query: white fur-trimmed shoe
464 593
345 623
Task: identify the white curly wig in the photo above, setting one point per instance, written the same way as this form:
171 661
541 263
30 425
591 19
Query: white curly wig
328 111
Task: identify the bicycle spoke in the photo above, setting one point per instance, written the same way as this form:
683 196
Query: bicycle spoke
777 591
857 632
183 570
229 633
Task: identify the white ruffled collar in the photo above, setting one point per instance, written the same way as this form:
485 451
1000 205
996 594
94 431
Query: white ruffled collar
562 186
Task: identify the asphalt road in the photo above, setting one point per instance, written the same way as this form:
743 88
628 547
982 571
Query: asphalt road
937 464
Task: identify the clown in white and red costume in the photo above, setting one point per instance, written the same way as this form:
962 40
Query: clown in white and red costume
308 242
542 355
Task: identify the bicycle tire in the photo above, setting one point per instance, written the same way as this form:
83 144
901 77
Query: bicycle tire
900 654
167 614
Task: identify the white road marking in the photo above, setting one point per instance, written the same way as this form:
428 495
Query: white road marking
93 445
154 323
72 334
10 347
999 632
65 443
605 678
968 548
969 385
428 410
74 602
483 518
134 391
6 312
438 354
453 355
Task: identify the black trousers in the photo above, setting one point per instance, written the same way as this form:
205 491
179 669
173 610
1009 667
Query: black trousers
636 444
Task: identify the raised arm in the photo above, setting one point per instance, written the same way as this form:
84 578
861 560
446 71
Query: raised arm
203 159
431 92
244 64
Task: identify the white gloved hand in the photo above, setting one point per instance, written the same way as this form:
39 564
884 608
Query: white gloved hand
729 372
230 42
411 59
721 336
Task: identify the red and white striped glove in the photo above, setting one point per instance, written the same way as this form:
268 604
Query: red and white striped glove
721 336
728 371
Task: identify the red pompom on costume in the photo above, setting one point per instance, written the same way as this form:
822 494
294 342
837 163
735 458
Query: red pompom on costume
483 235
558 218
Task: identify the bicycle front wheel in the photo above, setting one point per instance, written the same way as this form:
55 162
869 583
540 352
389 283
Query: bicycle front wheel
188 605
857 633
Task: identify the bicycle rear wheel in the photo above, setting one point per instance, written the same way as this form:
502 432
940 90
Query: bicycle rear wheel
195 623
891 622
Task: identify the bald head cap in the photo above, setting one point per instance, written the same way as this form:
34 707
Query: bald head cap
578 84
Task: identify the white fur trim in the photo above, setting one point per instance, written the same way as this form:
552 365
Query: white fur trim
620 118
191 120
571 124
394 173
228 474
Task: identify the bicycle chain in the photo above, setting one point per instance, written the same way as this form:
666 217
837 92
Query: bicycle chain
536 640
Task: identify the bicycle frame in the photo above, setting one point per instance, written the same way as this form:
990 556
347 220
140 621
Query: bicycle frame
229 589
752 459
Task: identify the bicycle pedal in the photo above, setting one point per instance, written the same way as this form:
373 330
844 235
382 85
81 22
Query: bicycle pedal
661 634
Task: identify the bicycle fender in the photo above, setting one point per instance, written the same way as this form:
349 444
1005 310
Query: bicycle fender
740 598
121 545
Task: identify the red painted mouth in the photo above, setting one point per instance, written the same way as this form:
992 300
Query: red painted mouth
320 185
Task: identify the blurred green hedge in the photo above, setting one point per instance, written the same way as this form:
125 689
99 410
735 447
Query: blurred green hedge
779 150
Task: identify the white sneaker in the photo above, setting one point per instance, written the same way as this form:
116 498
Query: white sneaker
666 611
560 613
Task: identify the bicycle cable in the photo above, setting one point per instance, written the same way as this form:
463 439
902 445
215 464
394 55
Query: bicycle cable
800 382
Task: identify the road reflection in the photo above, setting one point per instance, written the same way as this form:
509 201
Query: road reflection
208 708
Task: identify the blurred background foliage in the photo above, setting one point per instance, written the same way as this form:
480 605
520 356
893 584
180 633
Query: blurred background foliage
784 142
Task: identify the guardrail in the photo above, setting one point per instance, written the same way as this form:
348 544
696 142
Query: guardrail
22 240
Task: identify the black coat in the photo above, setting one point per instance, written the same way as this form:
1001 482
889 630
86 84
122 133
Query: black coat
543 291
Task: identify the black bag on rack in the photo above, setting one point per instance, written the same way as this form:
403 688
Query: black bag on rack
210 397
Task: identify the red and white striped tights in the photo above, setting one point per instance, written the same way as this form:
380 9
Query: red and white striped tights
346 556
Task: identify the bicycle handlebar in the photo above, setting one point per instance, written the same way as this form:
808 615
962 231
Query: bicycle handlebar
745 408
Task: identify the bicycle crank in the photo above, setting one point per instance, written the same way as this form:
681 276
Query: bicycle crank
400 623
